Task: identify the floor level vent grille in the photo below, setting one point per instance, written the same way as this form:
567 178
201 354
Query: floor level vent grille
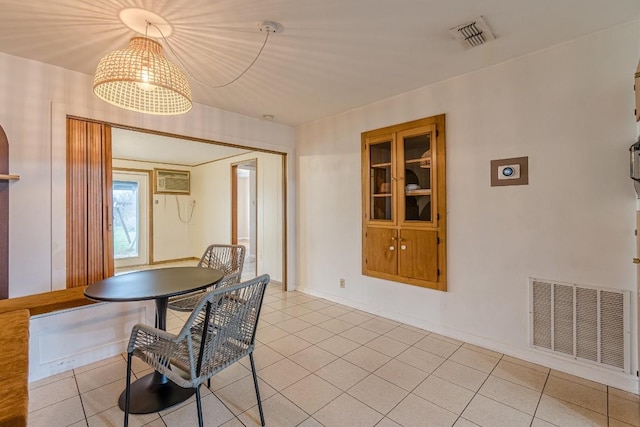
586 323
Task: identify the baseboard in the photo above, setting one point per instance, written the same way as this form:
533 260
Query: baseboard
167 261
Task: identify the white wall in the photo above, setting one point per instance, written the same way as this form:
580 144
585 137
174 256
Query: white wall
66 339
35 99
216 226
569 109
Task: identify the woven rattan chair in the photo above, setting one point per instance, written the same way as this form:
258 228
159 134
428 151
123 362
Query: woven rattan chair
228 258
220 331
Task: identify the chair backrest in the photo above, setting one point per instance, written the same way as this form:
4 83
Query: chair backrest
222 326
228 258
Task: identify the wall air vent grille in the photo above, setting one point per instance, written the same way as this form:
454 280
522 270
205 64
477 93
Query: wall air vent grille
589 324
473 33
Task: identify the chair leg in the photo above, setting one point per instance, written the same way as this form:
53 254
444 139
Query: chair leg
199 405
127 397
209 383
255 383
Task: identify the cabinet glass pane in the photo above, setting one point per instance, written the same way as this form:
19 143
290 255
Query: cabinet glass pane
418 178
380 181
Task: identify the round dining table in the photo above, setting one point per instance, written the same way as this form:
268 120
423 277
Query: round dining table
154 391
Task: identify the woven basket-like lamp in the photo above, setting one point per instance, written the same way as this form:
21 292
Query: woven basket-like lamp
141 78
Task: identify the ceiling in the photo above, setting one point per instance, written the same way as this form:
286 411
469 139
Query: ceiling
333 55
149 147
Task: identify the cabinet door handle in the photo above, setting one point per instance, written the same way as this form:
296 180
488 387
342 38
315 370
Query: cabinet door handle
392 248
636 260
403 247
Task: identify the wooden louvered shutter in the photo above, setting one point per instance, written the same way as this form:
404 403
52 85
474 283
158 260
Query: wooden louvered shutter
89 216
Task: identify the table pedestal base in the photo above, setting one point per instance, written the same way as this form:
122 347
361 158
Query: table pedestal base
153 393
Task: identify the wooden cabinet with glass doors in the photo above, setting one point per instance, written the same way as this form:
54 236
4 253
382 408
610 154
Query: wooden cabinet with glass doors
404 203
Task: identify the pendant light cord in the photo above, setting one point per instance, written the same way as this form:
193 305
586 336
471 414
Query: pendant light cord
175 54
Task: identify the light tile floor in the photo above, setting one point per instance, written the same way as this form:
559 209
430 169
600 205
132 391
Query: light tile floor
325 364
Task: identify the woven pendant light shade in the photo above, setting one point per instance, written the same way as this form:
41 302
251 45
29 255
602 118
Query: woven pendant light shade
141 78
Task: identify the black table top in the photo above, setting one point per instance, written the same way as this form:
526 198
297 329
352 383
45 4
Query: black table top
153 284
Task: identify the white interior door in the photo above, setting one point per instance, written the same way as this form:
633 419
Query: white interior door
130 218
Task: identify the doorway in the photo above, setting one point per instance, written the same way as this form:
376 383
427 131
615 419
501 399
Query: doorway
130 218
210 220
244 219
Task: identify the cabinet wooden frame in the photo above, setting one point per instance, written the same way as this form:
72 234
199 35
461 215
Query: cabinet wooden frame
399 249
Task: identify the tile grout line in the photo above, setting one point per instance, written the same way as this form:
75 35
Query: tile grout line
580 405
608 417
84 412
476 392
540 398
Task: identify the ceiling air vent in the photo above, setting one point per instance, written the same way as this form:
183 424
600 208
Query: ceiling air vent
473 33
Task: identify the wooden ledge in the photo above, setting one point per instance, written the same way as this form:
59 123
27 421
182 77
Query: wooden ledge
47 302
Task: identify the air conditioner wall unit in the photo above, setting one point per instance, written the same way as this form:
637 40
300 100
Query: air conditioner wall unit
170 181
